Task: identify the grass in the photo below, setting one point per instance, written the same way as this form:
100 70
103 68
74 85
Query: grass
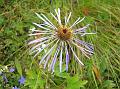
100 72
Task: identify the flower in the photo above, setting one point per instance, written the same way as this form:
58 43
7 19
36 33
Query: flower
21 80
5 78
15 87
12 69
59 39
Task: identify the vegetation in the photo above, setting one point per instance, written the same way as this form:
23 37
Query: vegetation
102 71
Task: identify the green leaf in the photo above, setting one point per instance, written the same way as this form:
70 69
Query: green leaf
34 80
108 84
18 66
1 20
75 82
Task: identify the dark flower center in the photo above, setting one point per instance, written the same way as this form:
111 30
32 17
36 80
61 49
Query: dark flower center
64 33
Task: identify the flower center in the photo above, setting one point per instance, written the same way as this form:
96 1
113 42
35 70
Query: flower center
64 33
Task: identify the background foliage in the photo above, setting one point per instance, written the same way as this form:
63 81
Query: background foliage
102 71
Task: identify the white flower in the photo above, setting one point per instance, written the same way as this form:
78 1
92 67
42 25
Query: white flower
57 40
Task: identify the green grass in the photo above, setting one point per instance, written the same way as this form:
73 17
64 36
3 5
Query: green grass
102 71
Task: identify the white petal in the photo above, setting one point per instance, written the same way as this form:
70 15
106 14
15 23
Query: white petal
58 16
40 26
75 22
35 34
46 20
39 40
61 56
54 59
54 17
65 20
77 59
82 49
47 59
39 49
68 17
48 52
51 24
80 20
41 43
83 29
40 17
